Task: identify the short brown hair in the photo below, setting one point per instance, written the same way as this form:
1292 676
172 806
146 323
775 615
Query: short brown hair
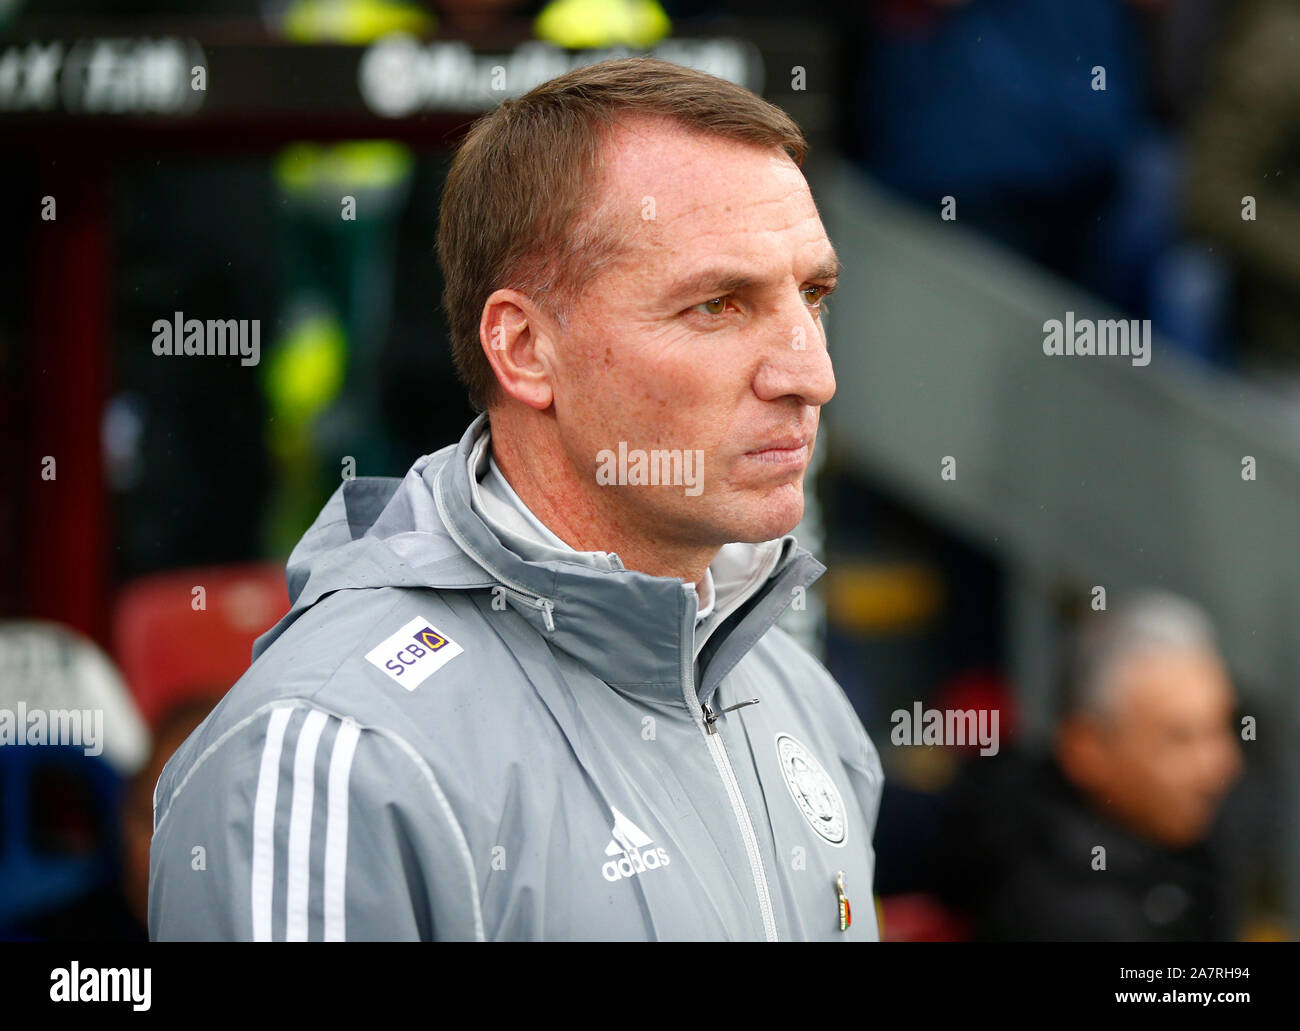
517 208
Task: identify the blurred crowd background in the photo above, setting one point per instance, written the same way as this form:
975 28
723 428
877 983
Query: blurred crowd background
1111 570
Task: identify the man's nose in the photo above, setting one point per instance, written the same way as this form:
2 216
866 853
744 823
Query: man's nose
1221 762
796 363
1232 762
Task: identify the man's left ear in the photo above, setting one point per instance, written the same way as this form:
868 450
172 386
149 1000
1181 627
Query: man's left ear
516 339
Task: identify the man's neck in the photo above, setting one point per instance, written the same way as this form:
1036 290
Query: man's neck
574 512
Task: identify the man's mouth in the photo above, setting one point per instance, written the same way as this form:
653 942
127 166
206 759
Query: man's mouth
784 451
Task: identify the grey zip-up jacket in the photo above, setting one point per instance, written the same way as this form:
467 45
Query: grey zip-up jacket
445 740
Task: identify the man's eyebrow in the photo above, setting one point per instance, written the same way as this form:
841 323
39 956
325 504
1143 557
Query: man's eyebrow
828 268
718 281
712 281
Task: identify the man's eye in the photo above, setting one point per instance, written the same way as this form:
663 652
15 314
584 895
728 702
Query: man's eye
812 295
707 306
819 293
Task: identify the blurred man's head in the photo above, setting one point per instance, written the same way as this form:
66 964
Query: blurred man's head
633 258
1148 732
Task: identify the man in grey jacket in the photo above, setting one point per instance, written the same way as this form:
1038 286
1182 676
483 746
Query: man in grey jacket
535 690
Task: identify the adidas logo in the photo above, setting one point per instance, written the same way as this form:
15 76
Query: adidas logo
629 845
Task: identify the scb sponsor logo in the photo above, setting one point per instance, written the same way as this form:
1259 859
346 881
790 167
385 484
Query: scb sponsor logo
426 641
410 655
634 863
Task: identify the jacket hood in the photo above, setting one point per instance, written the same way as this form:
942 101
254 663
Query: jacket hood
424 530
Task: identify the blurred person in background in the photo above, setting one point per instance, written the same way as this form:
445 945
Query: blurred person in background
76 818
71 740
118 910
1114 836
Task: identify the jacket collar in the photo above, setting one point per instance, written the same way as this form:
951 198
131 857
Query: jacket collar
630 629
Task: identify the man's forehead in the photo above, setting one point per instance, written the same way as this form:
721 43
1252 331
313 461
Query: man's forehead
685 170
1162 680
676 192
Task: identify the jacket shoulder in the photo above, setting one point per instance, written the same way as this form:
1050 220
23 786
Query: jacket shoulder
295 823
379 654
412 662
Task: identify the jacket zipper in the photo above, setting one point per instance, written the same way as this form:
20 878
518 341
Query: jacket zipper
536 601
728 775
711 717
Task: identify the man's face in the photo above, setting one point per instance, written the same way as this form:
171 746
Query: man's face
1168 753
731 367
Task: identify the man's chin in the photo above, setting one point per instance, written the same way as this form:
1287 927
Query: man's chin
770 518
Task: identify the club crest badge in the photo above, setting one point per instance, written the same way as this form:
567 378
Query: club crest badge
812 789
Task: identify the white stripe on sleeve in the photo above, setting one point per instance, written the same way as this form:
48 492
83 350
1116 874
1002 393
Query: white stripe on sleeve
268 778
304 796
336 832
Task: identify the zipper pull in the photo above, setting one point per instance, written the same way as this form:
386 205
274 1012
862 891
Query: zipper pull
711 717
